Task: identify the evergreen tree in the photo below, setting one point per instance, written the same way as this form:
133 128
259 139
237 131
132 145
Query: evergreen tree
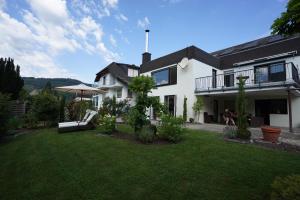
10 80
184 109
241 105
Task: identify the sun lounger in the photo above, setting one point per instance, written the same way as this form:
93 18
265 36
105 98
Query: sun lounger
85 124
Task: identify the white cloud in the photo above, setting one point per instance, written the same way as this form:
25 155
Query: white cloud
50 11
99 8
112 40
46 31
110 3
121 17
143 23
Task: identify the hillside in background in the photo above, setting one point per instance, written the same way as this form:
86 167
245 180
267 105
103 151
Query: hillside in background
31 83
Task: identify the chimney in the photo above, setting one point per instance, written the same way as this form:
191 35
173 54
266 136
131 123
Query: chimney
146 55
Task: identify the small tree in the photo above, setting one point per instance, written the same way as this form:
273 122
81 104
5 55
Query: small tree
141 86
46 107
241 105
289 21
198 106
184 115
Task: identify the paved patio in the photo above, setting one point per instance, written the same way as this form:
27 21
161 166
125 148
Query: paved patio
285 136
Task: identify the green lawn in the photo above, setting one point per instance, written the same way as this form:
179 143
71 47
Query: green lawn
47 165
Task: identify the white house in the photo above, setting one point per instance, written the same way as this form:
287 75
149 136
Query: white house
114 80
272 88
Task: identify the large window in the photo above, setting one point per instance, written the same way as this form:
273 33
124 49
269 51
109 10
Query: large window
166 76
270 73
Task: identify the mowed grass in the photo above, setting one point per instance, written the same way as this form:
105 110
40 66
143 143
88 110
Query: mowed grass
84 165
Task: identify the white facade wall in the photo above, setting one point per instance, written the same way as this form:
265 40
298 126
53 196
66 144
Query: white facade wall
111 87
185 86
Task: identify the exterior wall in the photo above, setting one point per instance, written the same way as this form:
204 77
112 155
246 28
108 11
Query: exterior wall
111 87
185 85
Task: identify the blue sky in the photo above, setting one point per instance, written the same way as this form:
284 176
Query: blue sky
76 38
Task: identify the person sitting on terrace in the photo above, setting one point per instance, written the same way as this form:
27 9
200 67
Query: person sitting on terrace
228 117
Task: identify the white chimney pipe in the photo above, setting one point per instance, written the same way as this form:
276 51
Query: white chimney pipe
147 40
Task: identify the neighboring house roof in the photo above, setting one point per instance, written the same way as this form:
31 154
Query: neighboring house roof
264 47
173 58
118 70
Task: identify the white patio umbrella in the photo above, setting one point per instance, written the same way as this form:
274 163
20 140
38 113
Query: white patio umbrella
81 88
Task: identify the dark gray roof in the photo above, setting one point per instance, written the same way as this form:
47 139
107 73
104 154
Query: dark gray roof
118 70
174 58
255 49
225 58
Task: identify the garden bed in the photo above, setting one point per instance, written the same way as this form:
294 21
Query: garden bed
131 137
260 142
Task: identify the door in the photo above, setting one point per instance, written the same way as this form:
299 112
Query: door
262 109
170 102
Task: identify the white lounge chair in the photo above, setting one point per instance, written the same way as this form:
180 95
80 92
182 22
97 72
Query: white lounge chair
85 124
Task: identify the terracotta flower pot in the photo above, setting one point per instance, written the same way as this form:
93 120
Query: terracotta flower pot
270 134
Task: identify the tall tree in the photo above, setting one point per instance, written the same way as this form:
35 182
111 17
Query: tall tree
10 79
289 21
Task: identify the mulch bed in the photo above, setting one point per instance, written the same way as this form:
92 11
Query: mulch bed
262 143
132 138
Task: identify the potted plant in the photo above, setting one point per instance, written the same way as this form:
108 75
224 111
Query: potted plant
270 133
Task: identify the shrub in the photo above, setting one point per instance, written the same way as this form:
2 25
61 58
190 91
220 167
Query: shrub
113 107
15 123
108 124
171 128
46 108
191 120
146 134
30 120
4 112
286 188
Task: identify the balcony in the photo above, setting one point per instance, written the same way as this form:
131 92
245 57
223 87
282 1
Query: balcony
273 75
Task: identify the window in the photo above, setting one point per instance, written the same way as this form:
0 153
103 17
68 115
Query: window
129 94
166 76
104 80
270 73
277 72
228 78
119 93
161 77
261 74
132 72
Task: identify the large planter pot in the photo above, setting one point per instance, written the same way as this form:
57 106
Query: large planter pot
270 134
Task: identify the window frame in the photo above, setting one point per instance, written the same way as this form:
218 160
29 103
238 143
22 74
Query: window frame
170 80
268 66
